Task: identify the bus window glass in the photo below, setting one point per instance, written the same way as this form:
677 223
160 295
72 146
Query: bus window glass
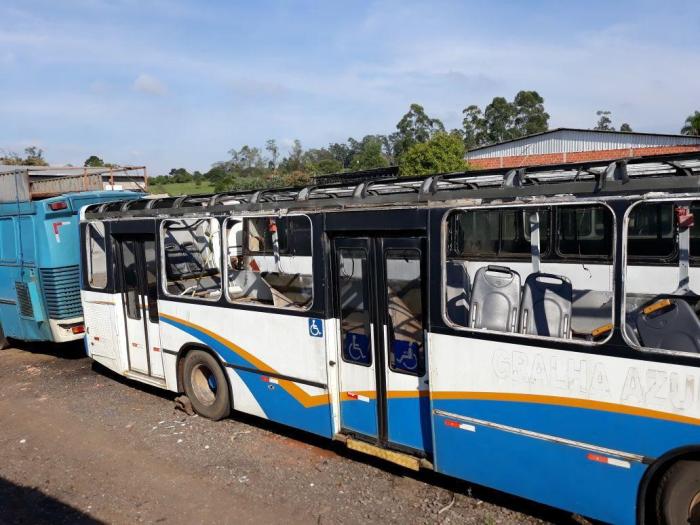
96 255
405 305
269 261
191 255
130 280
474 233
515 232
585 231
650 231
539 296
661 305
354 307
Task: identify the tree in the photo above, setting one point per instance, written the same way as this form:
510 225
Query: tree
180 175
442 153
530 116
413 128
692 125
626 127
273 150
502 120
93 161
604 121
369 154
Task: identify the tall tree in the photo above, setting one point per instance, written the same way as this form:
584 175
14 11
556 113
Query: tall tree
444 152
530 116
413 128
274 151
692 125
604 121
503 120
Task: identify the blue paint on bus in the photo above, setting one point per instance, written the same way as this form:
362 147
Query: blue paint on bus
39 263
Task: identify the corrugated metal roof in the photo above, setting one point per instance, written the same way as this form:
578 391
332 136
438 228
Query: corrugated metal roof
568 140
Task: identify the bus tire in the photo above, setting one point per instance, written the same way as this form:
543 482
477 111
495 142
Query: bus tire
205 385
678 496
4 343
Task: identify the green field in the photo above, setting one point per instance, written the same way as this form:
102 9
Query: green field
182 188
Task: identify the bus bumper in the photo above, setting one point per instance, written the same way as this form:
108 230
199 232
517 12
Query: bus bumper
65 330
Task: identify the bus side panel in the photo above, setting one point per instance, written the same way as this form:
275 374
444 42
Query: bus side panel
566 429
277 369
104 337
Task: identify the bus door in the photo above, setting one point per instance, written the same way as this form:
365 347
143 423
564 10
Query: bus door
380 300
136 256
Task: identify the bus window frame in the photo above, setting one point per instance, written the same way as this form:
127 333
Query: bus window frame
245 251
623 316
504 255
517 335
88 265
566 257
163 260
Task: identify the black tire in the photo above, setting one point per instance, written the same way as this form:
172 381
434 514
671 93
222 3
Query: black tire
4 343
678 497
206 386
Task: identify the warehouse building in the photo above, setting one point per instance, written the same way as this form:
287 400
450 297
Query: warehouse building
563 145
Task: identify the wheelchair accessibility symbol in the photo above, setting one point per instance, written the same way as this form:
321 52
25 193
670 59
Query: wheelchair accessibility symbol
316 327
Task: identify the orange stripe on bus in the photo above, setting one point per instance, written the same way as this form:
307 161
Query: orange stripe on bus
567 402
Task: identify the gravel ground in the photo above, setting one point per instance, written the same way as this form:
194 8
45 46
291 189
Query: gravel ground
79 444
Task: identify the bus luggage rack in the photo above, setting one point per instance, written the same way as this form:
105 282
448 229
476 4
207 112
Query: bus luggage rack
671 173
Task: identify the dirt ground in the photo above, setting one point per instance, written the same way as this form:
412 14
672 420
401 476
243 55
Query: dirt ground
79 444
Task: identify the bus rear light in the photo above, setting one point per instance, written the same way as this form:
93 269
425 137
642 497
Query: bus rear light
80 329
58 205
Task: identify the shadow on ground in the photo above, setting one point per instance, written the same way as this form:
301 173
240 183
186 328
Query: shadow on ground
71 350
26 505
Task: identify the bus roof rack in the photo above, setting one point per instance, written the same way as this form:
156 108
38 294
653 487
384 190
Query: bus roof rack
671 173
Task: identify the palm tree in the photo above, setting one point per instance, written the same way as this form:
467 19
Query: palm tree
692 125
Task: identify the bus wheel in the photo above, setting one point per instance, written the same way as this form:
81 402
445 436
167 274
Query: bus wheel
3 340
678 497
205 385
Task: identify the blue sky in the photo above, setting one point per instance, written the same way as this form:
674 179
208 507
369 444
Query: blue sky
178 84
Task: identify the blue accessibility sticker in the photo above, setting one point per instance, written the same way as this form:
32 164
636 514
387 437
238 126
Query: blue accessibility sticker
316 327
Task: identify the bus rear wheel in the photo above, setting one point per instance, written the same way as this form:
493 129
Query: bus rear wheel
205 385
678 497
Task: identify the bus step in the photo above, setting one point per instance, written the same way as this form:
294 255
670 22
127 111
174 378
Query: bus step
405 460
145 378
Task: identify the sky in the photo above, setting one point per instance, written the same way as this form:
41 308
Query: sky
171 84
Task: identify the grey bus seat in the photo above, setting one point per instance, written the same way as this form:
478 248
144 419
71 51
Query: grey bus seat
547 306
495 299
671 324
457 292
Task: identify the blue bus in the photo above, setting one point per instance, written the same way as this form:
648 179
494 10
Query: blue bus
39 266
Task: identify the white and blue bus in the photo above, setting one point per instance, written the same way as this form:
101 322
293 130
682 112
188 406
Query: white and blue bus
535 331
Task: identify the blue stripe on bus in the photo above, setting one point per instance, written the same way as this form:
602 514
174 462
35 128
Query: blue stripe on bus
276 402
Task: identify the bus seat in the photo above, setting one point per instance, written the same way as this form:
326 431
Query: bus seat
495 299
457 291
547 306
671 324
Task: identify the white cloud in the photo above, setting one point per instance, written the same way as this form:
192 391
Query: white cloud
150 85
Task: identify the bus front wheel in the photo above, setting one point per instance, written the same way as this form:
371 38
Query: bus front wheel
678 497
206 386
4 343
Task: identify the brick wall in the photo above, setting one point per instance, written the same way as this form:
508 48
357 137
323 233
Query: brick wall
578 156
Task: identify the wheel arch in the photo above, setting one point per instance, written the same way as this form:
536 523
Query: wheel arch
179 367
652 476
